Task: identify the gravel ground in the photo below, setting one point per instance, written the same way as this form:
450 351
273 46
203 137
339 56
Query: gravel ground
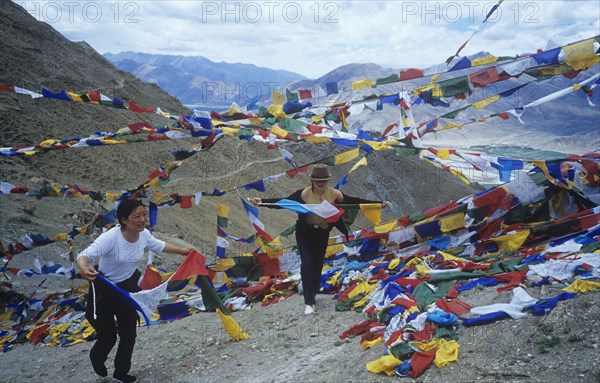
287 346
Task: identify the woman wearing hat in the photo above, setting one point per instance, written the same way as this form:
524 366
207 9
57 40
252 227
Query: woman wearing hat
312 231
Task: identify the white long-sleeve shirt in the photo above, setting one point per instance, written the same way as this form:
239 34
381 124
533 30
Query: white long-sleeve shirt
118 258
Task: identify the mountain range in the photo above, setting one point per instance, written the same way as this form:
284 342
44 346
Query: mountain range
196 80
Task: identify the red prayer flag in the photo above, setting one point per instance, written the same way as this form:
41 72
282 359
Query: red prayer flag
314 128
94 96
419 361
411 73
305 94
138 109
192 265
484 77
151 279
6 88
293 172
186 201
503 115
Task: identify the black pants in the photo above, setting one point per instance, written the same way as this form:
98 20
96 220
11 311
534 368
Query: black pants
108 307
312 244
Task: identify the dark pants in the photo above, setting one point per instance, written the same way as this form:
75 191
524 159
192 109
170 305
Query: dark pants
108 307
312 244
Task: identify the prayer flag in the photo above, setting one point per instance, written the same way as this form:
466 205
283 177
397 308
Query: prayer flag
324 210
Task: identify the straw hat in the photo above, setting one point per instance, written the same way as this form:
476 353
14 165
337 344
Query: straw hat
320 173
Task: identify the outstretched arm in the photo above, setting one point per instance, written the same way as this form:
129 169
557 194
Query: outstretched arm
176 249
257 201
357 200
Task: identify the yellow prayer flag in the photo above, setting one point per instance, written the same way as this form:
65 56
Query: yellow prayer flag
317 140
444 154
363 288
277 111
111 197
581 55
451 126
274 248
5 317
75 97
233 109
460 175
511 241
452 222
154 182
48 142
230 131
422 268
446 353
317 119
222 264
344 122
222 210
384 145
428 346
61 237
581 286
485 102
334 279
361 84
361 162
255 121
278 98
158 196
372 211
333 249
232 327
555 70
393 264
484 60
367 344
385 228
108 141
437 92
386 364
277 131
347 156
450 257
424 88
88 330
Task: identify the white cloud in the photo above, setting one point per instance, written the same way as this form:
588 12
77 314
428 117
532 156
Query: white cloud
314 37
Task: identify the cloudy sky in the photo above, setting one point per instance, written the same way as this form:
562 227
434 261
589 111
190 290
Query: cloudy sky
314 37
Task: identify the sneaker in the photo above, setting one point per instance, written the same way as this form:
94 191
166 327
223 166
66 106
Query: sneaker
124 378
99 367
308 309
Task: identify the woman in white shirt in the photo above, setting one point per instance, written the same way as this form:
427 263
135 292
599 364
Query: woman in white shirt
118 252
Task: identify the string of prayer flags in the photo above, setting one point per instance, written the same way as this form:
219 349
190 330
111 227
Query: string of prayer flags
222 222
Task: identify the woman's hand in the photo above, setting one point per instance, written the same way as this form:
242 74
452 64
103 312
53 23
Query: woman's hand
89 273
186 250
176 249
255 201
